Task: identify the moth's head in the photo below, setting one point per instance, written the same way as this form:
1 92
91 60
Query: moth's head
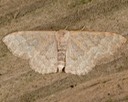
62 35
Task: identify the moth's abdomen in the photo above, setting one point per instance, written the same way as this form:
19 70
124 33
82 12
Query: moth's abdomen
62 38
61 59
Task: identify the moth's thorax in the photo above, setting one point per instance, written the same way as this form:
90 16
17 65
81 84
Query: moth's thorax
62 37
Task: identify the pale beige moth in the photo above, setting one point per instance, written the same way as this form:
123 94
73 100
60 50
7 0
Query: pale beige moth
75 52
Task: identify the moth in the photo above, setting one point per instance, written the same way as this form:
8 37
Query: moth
75 52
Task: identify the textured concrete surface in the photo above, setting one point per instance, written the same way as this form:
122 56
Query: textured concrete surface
105 83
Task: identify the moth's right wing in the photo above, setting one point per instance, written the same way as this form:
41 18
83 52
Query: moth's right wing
37 46
86 49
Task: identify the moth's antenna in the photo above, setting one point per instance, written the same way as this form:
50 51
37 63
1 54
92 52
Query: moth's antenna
83 28
66 27
16 15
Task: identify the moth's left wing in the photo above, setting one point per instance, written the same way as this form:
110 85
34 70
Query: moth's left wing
85 50
38 46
